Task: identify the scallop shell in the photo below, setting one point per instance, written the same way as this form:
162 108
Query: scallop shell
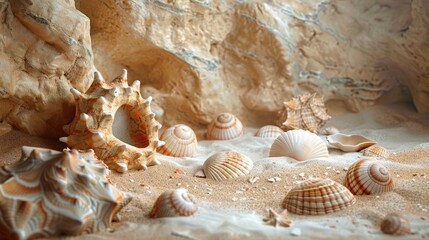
50 193
317 197
376 151
269 131
227 165
305 111
366 177
349 143
174 203
225 127
300 145
180 141
94 127
395 224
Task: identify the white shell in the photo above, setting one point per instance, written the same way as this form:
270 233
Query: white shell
174 203
349 143
227 165
225 127
269 131
300 145
366 177
395 224
180 141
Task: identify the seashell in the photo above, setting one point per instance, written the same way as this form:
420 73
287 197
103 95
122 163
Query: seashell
277 219
330 130
318 196
395 224
227 165
94 125
50 193
174 203
225 127
376 151
300 145
180 141
269 131
366 177
305 111
349 143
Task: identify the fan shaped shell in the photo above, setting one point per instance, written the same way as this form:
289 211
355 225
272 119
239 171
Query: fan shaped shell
225 127
174 203
269 131
395 224
227 165
365 177
349 143
376 151
317 197
180 141
300 145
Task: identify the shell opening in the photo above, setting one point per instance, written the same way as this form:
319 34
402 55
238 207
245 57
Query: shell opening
129 127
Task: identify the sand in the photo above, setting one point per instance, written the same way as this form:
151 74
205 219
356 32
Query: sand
234 209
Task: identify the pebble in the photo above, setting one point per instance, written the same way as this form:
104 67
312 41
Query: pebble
301 174
274 179
295 232
131 180
234 199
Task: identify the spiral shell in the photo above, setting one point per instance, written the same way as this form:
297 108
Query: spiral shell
318 196
269 131
376 151
300 145
227 165
180 141
395 224
366 177
225 127
174 203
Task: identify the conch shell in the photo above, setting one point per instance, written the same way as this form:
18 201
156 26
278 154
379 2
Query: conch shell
51 193
92 126
306 112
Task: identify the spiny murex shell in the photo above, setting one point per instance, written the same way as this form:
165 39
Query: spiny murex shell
318 196
349 143
300 145
180 141
305 111
92 126
227 165
376 151
174 203
225 127
366 177
395 224
269 131
50 193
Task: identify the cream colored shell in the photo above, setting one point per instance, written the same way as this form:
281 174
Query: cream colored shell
366 177
376 151
180 141
317 197
349 143
96 111
395 224
51 193
174 203
269 131
300 145
227 165
225 127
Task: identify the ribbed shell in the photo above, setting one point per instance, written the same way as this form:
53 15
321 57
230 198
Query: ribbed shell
174 203
317 197
395 224
227 165
300 145
349 143
225 127
269 131
376 151
180 141
366 177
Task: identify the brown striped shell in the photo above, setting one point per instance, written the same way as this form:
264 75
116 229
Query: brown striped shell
225 127
227 165
365 177
180 141
395 224
376 151
269 131
317 197
174 203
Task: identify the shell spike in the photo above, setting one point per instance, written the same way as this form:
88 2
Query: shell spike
136 84
160 143
106 121
76 93
98 78
124 74
64 139
102 100
122 149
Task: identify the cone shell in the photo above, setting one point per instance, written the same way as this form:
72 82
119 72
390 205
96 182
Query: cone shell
317 197
366 177
225 127
300 145
376 151
269 131
174 203
50 193
395 224
349 143
227 165
180 141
